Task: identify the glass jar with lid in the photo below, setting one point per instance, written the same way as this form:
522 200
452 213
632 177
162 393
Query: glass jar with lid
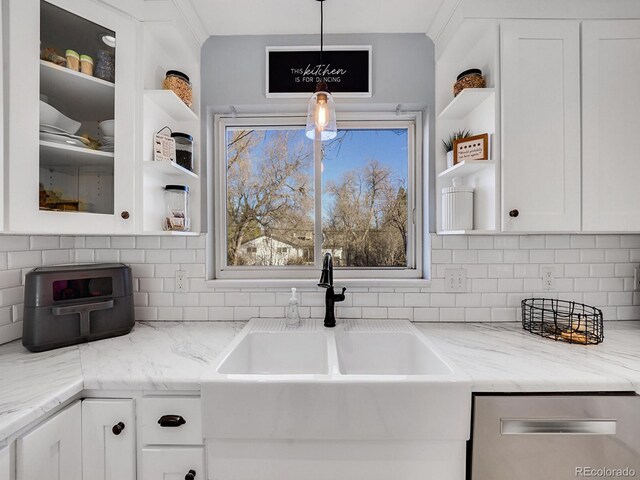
179 84
177 208
184 150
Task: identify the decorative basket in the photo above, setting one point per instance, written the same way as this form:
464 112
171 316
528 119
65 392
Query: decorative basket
562 320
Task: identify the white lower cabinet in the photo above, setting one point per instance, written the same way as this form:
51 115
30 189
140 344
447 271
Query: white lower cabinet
5 464
173 463
53 450
108 439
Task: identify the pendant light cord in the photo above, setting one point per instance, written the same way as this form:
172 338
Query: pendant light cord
321 29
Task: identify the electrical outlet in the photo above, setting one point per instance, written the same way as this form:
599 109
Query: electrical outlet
181 281
455 280
548 278
636 279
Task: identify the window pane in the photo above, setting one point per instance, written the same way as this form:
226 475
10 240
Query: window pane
270 207
364 198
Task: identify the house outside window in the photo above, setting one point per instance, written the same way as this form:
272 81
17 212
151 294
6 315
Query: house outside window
282 207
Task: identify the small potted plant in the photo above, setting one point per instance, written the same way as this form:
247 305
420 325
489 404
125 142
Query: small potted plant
448 144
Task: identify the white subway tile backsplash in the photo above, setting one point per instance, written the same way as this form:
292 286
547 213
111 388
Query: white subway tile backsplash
481 242
608 241
458 242
592 255
501 271
10 243
490 256
532 241
364 299
56 257
617 255
416 299
123 242
465 256
97 242
506 242
24 259
516 256
557 241
183 256
195 314
107 256
583 241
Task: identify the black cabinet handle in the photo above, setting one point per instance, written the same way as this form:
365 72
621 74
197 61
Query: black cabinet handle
514 213
191 475
125 215
118 428
171 421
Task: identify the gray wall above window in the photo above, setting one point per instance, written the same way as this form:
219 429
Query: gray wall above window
233 73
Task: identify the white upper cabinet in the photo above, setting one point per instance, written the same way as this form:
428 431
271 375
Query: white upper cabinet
610 113
540 86
56 183
52 451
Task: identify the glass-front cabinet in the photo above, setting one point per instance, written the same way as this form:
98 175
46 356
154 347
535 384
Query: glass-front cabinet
72 84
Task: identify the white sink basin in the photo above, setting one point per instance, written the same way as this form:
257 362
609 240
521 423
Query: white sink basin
393 353
367 399
272 353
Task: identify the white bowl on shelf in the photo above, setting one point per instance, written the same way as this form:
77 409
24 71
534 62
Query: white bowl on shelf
51 116
107 128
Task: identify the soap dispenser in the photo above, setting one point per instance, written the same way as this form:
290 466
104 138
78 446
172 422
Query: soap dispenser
293 313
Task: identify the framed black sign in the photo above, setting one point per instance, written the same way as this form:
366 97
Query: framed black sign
294 71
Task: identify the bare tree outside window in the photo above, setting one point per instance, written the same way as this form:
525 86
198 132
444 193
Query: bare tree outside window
365 176
270 214
269 197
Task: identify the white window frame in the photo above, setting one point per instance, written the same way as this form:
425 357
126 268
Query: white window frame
412 121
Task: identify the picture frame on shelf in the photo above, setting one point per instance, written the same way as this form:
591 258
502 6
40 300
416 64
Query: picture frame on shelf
471 148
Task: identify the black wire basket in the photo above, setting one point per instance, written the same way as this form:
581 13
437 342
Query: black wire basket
562 320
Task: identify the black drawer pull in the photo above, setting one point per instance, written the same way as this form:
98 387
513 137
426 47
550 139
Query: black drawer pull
118 428
171 421
514 213
191 475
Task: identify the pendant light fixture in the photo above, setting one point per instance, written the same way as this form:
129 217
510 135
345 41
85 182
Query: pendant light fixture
321 116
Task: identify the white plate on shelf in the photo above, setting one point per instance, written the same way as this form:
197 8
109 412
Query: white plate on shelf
64 139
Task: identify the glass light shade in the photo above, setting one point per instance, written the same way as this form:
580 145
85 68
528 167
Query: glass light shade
321 116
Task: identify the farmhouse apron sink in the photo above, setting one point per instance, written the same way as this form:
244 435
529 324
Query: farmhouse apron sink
368 396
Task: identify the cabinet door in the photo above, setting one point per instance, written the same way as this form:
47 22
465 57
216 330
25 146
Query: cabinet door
108 440
610 106
540 83
173 463
52 451
55 183
5 464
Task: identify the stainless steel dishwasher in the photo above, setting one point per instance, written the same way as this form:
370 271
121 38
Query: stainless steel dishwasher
555 437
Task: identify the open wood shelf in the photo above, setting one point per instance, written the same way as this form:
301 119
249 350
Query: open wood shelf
170 168
466 102
465 168
171 104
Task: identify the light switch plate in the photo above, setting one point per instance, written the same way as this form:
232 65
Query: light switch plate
455 280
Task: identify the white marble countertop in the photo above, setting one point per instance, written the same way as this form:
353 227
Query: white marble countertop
502 357
499 357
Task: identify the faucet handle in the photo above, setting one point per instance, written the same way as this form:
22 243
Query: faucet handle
344 289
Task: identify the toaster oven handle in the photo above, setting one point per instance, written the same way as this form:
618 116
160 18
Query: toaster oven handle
84 310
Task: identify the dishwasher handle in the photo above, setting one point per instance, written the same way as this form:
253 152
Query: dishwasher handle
558 427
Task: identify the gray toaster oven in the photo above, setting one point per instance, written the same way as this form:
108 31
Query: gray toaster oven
70 304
